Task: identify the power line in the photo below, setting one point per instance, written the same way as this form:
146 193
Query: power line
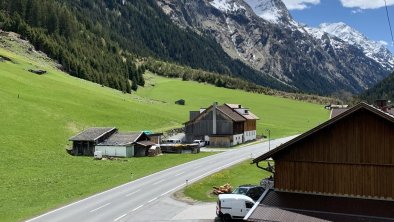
388 19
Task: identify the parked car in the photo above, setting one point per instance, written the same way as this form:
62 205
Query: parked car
201 143
252 191
233 206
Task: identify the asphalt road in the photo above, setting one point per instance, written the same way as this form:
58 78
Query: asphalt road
125 202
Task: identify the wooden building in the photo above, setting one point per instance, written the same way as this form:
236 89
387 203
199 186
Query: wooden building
154 137
225 125
125 145
348 160
84 142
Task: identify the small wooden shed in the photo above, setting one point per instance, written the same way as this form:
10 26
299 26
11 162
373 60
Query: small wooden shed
84 142
125 145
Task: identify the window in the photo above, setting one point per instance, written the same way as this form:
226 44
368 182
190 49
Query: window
248 204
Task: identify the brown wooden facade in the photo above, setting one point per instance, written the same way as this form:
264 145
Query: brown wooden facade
351 155
250 124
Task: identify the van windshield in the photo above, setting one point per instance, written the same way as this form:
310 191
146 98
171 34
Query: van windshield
240 190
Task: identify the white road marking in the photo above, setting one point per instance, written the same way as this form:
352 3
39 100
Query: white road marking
152 200
138 207
179 174
173 189
120 217
160 181
132 193
98 208
205 174
118 187
182 166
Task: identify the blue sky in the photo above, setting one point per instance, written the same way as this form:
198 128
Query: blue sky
367 16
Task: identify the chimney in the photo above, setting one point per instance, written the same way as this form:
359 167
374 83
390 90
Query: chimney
214 118
382 104
239 106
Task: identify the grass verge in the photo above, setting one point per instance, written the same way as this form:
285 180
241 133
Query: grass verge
243 173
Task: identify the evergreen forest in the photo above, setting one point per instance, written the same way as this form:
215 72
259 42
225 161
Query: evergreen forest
104 40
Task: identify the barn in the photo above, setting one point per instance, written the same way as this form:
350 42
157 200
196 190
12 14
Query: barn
342 170
125 145
84 142
222 125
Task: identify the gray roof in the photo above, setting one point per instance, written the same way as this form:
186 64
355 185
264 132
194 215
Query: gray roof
298 207
233 115
337 112
121 139
92 134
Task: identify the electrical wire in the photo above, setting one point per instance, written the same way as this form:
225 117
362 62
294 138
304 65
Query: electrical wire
388 19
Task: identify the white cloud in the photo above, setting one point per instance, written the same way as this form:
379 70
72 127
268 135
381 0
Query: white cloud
300 4
365 4
357 10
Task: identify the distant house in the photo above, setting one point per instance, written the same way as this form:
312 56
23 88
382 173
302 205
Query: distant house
342 170
380 104
84 142
222 125
125 145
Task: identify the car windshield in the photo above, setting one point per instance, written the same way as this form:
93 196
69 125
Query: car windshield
240 190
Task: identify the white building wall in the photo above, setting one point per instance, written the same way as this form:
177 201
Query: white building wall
237 139
250 135
115 151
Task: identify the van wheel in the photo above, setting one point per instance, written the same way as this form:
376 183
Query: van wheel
226 217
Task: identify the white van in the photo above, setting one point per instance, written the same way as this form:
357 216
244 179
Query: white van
233 206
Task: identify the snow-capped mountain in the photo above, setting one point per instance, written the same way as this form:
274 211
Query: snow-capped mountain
262 34
270 10
226 6
373 49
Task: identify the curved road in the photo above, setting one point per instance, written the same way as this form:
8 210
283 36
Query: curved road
124 202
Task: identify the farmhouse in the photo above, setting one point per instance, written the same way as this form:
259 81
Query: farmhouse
125 145
222 125
342 170
84 142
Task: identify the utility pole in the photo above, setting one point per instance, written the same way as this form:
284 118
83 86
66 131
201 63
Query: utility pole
269 139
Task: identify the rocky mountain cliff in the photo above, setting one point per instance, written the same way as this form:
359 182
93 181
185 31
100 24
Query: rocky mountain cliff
262 34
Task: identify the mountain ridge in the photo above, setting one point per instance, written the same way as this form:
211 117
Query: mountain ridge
280 47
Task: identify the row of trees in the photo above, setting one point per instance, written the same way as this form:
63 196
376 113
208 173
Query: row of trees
382 90
186 73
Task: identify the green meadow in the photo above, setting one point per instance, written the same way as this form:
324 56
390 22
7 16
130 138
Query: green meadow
283 117
39 113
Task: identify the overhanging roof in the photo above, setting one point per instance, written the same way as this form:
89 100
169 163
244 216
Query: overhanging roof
92 134
225 110
122 139
343 115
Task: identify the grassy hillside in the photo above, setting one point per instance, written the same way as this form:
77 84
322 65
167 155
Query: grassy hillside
282 116
39 113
